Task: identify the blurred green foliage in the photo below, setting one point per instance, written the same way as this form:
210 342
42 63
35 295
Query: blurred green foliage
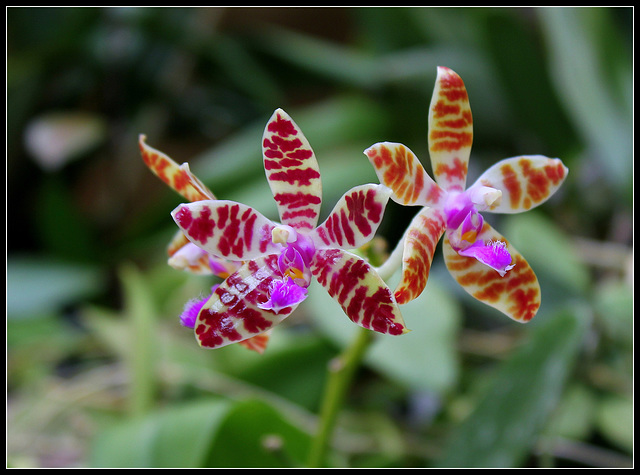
100 374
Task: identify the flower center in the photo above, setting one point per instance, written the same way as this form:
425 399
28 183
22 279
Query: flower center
465 223
293 263
296 254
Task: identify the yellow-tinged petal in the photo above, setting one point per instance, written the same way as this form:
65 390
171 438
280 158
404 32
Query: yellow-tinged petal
178 177
420 242
516 294
525 181
450 131
399 169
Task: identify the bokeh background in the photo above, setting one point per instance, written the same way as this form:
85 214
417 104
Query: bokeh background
100 374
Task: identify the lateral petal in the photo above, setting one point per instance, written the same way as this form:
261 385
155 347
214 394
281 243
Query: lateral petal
232 314
362 294
292 172
525 181
420 242
178 177
517 294
354 220
450 131
226 229
399 169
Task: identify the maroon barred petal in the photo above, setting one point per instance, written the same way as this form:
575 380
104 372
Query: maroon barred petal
359 290
292 172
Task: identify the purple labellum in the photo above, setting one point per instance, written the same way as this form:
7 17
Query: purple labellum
283 294
492 253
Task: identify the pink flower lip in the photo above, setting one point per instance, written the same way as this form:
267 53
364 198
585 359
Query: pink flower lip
492 253
283 294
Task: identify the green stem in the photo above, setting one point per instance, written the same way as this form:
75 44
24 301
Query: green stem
341 372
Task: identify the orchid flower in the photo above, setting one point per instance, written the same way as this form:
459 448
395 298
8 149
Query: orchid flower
482 261
183 254
278 260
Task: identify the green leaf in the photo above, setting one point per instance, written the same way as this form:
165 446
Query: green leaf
173 437
212 433
581 78
615 421
142 352
575 416
256 435
294 366
507 421
614 306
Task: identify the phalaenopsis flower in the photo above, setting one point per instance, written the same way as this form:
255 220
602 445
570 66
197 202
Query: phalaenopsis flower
268 265
482 261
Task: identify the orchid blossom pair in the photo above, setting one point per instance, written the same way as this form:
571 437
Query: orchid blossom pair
267 267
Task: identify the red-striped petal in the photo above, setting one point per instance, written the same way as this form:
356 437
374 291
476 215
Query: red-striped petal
256 343
354 220
184 255
292 172
420 242
226 229
359 290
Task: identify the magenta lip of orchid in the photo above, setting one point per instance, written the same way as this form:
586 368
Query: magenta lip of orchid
464 224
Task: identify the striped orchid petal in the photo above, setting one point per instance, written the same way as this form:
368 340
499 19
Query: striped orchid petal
525 181
292 172
226 229
359 290
399 169
450 131
233 314
420 243
516 294
355 218
178 177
